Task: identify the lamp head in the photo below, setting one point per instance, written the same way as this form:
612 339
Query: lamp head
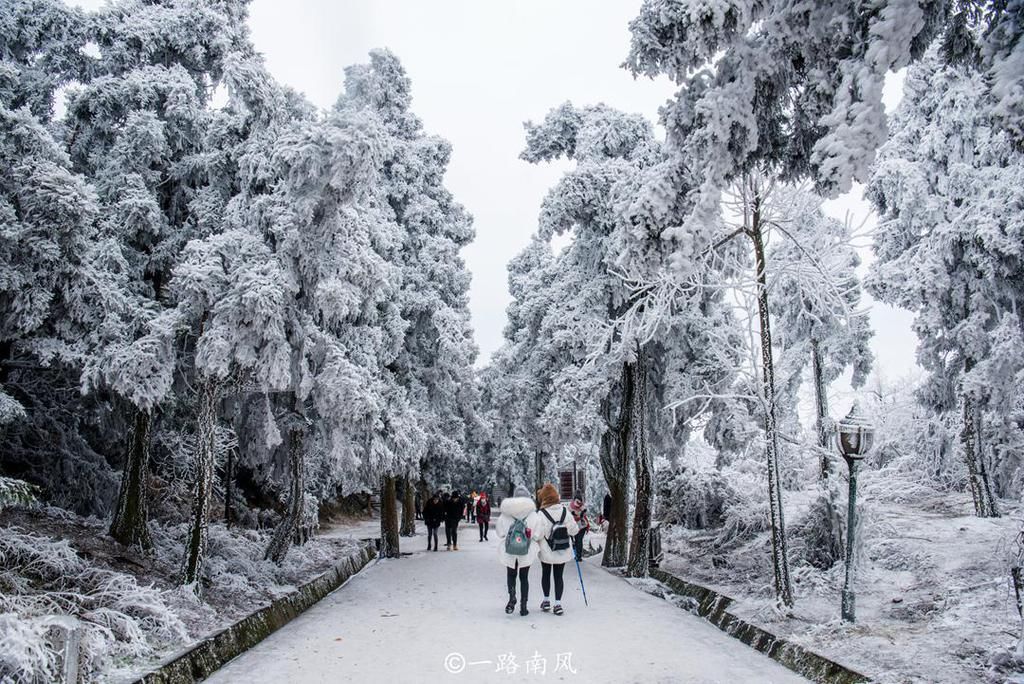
854 434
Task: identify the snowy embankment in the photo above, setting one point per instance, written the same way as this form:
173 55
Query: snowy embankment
131 608
934 601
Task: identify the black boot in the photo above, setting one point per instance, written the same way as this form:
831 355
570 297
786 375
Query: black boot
522 605
511 605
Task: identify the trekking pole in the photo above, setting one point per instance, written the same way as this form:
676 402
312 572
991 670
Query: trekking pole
580 574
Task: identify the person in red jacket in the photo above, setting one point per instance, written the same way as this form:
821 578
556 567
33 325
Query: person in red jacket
483 515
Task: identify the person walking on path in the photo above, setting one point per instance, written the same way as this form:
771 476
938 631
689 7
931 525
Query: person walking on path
555 529
471 505
518 548
579 513
483 515
453 516
433 516
446 497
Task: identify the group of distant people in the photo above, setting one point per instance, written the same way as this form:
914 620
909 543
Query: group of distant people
450 510
542 529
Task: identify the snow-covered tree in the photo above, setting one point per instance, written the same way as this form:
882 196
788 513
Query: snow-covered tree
589 377
948 186
797 89
135 128
63 293
435 363
816 304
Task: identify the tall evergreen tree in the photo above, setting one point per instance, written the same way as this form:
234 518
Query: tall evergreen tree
948 188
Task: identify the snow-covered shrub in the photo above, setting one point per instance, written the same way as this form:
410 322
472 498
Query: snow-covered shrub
41 578
15 493
747 515
235 569
816 536
695 499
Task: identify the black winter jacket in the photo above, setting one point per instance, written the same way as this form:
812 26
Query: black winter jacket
433 513
455 509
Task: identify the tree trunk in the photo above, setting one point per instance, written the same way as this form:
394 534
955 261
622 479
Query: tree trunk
389 547
229 477
615 465
286 530
822 424
538 471
202 488
408 508
130 525
833 544
640 545
780 556
981 489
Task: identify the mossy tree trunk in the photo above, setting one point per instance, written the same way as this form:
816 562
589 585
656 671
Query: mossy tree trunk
614 454
130 525
286 530
202 488
389 545
640 544
408 508
970 442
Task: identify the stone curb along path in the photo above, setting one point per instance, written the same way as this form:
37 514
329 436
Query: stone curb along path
714 607
205 657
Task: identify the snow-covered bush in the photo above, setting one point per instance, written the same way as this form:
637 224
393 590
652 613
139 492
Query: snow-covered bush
41 579
695 499
817 534
747 514
15 493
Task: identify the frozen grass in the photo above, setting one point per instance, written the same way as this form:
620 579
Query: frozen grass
41 578
54 565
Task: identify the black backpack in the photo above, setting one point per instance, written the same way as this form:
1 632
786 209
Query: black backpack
558 540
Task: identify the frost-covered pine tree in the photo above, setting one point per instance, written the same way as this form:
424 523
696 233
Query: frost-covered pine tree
135 127
948 186
334 237
597 377
435 363
800 91
64 295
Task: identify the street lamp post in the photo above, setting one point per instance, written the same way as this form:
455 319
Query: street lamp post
854 435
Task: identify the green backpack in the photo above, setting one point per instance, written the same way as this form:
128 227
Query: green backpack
517 541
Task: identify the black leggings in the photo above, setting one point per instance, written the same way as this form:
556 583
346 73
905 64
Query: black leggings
484 526
577 544
432 534
451 531
524 582
545 579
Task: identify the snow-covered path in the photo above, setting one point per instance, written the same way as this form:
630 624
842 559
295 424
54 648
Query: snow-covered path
399 620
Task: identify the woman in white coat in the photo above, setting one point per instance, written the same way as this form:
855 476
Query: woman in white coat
553 515
520 507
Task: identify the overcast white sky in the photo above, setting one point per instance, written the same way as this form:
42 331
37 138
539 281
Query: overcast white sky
479 69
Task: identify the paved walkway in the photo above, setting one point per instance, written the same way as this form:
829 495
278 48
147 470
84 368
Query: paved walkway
439 617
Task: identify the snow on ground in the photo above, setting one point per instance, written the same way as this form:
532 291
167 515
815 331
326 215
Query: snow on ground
402 620
53 562
934 602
